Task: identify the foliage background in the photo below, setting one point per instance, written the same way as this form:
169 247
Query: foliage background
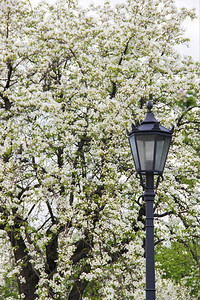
71 82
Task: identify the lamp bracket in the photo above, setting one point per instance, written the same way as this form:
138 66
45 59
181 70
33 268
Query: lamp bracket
140 197
139 176
160 178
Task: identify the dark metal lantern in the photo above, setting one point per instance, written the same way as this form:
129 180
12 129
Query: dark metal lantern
150 144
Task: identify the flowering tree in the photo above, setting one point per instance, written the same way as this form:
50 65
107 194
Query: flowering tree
71 81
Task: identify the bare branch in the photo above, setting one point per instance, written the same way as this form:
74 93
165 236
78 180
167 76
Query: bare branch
51 212
167 213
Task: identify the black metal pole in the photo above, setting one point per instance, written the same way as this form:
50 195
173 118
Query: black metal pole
149 245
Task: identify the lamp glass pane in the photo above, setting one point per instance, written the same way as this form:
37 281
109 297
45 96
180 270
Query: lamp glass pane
162 147
134 152
145 145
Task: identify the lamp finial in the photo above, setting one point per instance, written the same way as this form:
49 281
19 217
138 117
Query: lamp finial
149 105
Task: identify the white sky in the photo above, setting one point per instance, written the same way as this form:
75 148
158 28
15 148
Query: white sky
192 27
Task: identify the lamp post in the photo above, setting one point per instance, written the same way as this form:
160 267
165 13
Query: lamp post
149 144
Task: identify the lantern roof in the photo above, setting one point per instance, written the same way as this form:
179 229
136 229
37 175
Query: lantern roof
150 123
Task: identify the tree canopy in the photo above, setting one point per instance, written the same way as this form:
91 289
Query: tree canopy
71 81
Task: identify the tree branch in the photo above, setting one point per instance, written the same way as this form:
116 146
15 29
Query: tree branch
51 212
185 113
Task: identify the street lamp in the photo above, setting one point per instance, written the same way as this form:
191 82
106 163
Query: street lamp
149 144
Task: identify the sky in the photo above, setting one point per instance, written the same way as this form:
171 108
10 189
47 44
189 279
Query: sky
192 27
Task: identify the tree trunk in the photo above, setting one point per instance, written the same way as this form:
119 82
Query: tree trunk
79 285
22 258
77 290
